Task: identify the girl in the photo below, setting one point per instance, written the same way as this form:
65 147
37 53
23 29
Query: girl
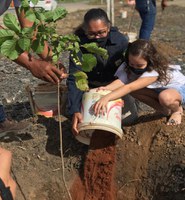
148 77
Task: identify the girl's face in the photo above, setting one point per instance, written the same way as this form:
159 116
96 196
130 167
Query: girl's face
137 62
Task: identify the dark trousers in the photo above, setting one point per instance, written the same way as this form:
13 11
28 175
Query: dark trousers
147 11
2 114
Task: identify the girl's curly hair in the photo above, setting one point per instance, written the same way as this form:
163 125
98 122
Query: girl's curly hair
156 61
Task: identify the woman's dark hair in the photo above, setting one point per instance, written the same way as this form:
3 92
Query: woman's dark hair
95 14
92 14
156 61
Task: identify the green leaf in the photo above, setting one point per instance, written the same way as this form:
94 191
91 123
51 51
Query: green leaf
38 45
28 30
10 21
88 62
59 49
59 13
70 37
8 49
81 81
5 35
52 16
93 48
24 44
40 16
24 3
48 16
80 74
55 58
70 47
30 15
34 1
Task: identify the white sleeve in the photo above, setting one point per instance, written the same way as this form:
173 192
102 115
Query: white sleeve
16 3
176 67
153 73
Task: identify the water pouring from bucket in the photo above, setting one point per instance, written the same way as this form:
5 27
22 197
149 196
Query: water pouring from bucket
110 121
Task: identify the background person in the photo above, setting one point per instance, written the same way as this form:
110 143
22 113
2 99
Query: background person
7 184
147 11
147 75
96 27
42 69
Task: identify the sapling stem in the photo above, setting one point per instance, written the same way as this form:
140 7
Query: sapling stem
61 143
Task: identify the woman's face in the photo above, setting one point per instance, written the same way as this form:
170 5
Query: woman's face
97 29
137 62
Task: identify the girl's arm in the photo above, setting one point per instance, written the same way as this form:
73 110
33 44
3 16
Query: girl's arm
112 86
101 105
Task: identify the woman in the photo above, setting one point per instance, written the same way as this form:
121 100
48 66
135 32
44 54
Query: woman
96 27
147 11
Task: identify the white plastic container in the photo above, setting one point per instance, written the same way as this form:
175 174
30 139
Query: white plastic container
46 99
110 122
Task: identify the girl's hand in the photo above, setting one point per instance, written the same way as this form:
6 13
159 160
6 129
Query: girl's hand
100 107
101 88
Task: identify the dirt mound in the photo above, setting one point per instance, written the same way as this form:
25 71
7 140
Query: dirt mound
97 178
146 164
151 162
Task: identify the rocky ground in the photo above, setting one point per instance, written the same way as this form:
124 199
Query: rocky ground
150 159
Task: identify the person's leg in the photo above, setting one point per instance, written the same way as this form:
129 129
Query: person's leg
171 99
5 168
147 11
167 101
150 98
7 126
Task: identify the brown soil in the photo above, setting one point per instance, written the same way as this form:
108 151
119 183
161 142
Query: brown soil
149 160
97 179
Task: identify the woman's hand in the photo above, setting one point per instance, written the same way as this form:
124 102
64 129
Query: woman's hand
100 107
77 118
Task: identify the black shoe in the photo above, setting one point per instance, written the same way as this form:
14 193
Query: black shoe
8 126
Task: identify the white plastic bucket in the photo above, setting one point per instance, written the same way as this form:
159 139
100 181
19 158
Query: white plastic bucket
132 36
111 121
46 99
